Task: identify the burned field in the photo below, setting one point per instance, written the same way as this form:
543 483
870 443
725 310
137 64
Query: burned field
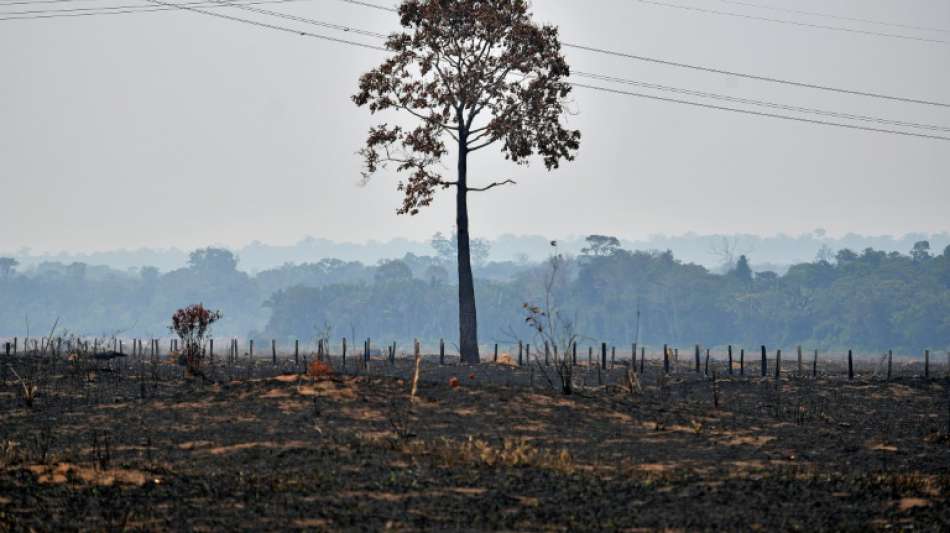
133 445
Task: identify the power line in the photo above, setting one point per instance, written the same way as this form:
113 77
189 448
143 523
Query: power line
116 10
669 63
759 113
836 17
581 85
371 5
761 103
22 2
754 76
601 77
273 26
305 20
577 46
593 87
790 22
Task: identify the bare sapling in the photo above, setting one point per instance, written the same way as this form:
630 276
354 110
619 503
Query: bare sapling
553 328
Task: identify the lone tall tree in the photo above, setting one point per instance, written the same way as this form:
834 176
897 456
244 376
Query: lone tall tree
476 73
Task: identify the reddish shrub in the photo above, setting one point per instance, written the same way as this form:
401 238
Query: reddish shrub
319 369
191 324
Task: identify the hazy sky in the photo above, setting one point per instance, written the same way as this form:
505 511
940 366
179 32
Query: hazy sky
179 129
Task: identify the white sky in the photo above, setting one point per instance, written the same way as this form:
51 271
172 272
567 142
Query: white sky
177 129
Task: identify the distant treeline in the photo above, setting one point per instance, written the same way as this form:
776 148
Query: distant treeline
869 300
774 252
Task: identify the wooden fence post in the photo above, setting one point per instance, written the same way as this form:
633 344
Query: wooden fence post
696 354
527 355
706 371
850 366
343 355
496 352
666 360
633 356
730 359
250 348
574 356
547 354
273 350
765 363
741 361
590 357
613 356
441 351
890 358
778 365
814 365
643 356
800 368
926 364
603 355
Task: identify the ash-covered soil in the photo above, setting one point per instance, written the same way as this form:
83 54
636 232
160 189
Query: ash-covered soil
264 448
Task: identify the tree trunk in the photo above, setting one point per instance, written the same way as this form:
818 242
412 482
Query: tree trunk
468 329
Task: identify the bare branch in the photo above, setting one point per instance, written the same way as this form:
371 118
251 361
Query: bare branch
491 186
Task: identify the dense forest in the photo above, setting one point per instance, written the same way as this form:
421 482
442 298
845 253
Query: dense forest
868 300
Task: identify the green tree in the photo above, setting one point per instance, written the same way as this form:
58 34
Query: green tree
601 245
921 251
742 272
213 261
392 271
7 267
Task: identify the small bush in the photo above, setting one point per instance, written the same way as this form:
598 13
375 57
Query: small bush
192 324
